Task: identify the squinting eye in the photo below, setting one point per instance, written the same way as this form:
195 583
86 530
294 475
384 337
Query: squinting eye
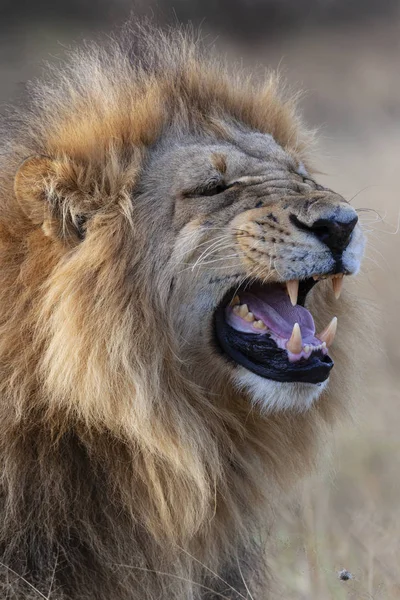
213 189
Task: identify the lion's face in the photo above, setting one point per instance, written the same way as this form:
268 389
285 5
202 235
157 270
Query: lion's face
206 243
251 234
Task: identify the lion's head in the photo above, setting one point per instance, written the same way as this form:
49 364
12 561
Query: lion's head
252 233
164 250
219 227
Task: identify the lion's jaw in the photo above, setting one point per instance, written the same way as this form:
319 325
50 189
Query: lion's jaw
237 229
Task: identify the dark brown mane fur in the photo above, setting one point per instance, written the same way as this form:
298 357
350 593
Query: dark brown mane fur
120 479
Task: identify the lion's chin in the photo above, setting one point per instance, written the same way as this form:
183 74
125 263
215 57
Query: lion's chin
274 396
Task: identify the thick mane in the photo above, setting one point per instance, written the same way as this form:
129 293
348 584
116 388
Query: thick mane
128 91
103 439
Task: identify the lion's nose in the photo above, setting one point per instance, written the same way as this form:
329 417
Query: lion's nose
333 230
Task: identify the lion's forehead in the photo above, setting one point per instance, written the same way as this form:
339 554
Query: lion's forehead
244 153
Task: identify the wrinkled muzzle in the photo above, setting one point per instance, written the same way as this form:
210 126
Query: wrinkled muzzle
288 247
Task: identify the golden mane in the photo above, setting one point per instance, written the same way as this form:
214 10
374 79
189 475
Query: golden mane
119 474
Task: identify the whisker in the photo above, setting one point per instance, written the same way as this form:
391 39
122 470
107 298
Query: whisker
205 252
222 237
209 242
222 246
374 262
224 267
367 209
367 187
189 266
237 265
381 219
209 262
381 256
219 246
241 282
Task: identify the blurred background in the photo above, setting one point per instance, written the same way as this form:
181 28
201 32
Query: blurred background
345 55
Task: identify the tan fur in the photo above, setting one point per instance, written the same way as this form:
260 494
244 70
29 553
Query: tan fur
127 473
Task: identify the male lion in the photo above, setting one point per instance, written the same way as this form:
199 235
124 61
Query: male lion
162 244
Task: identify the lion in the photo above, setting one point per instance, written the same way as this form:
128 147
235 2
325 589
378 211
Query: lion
170 282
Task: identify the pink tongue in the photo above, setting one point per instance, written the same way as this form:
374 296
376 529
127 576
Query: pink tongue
276 310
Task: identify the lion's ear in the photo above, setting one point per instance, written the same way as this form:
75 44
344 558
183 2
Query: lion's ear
47 192
32 185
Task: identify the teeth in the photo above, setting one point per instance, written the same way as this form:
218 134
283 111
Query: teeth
243 310
295 344
235 301
249 317
307 349
293 290
328 334
337 284
259 325
319 277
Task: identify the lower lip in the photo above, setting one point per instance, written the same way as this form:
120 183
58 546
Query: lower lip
265 359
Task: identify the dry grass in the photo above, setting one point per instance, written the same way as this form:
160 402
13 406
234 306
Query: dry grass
348 516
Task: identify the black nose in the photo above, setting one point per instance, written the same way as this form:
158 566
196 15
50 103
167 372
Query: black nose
333 231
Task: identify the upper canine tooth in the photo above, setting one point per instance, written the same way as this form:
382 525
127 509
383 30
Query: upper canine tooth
337 284
235 301
328 334
243 310
295 344
249 317
293 290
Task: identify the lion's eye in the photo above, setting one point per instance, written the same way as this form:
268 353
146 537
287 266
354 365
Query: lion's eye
211 188
214 189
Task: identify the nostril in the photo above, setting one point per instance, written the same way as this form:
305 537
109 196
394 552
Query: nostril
332 232
322 232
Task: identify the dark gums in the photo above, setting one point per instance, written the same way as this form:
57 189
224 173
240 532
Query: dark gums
261 355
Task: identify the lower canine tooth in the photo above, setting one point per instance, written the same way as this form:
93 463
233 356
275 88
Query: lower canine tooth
307 349
249 317
295 344
328 334
259 325
337 284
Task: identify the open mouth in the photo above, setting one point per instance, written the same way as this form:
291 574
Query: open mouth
267 329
